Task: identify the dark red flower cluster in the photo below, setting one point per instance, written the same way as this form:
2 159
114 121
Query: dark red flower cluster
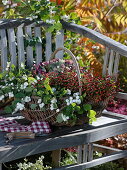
67 79
98 88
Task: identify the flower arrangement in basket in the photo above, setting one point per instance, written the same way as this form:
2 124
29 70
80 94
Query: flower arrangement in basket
54 102
57 91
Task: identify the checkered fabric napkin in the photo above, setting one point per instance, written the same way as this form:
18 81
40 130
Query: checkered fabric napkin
8 125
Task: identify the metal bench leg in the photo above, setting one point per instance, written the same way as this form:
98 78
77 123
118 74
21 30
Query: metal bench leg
56 157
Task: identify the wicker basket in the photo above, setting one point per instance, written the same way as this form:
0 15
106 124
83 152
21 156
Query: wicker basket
5 102
50 116
38 115
99 106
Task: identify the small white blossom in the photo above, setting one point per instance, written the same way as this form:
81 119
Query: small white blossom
78 58
51 21
76 94
53 89
1 97
11 78
65 17
24 77
8 64
38 78
27 99
6 94
26 84
41 105
74 101
77 97
11 94
39 101
68 103
23 86
68 91
5 2
78 101
67 100
62 61
22 65
52 107
57 110
53 100
19 106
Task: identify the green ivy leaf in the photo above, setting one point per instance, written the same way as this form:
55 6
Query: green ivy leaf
1 76
28 89
1 92
84 95
47 86
8 109
87 107
77 108
40 93
80 112
61 118
73 104
33 106
91 115
81 63
20 95
31 80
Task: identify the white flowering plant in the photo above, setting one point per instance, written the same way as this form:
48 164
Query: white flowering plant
13 83
49 11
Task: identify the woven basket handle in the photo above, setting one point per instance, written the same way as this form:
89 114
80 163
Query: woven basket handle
75 64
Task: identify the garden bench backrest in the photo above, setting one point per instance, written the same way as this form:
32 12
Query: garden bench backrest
14 34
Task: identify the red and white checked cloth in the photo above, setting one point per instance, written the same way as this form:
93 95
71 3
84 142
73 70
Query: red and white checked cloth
8 125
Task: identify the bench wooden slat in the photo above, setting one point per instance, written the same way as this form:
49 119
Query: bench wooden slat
111 61
12 45
60 43
85 153
3 49
29 49
116 64
79 156
97 37
106 57
48 49
121 95
38 46
20 46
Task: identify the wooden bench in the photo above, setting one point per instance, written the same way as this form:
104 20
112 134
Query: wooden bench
13 33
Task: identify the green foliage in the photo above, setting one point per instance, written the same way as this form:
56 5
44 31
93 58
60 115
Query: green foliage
71 158
107 166
48 11
32 166
92 116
